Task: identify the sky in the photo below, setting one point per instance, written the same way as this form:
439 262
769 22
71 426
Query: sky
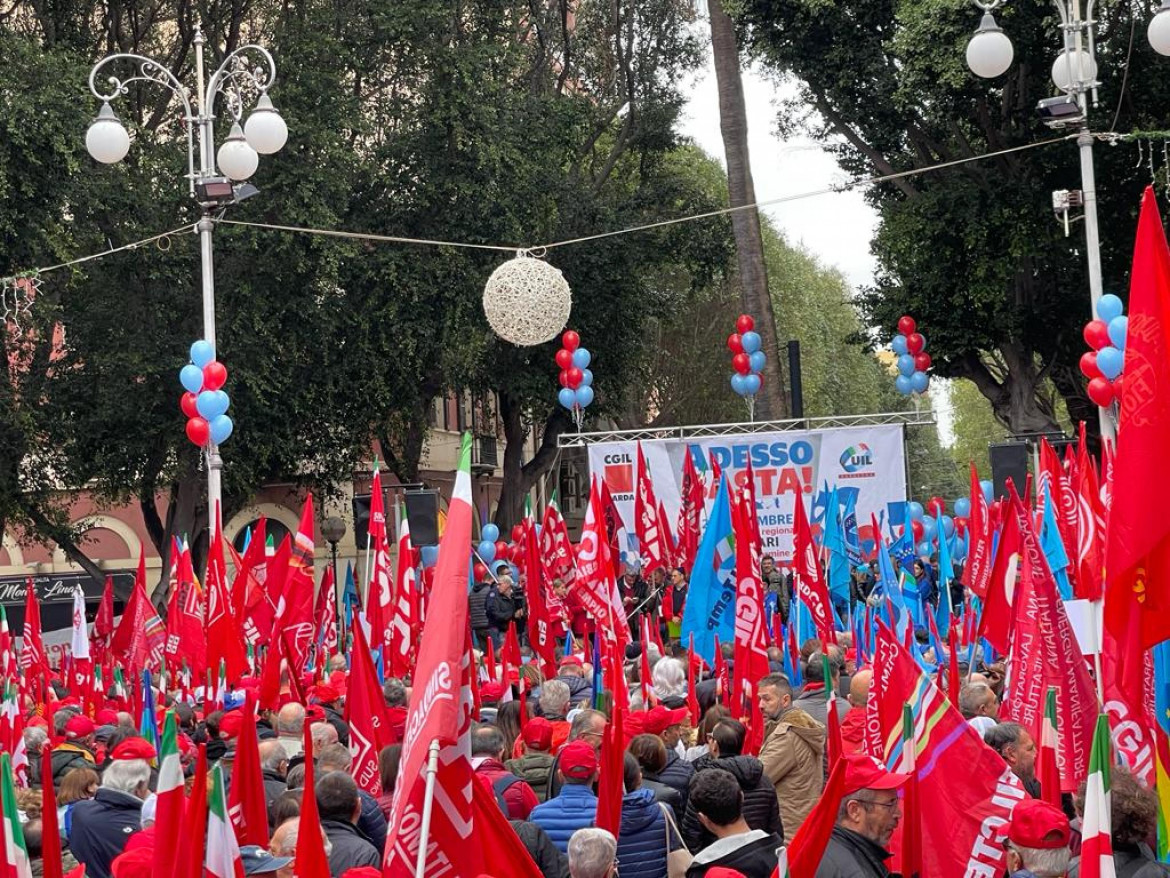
834 227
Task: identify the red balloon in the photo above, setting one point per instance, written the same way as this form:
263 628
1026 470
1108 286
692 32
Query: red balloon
937 506
214 375
917 530
187 404
517 533
915 342
574 377
563 378
742 363
922 361
1089 367
501 548
906 325
960 523
564 358
1101 392
1097 334
198 431
745 323
1117 386
570 340
735 343
480 571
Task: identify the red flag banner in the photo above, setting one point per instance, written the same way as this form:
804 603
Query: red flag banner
540 634
751 642
555 546
689 511
405 618
365 711
596 586
996 621
1090 558
650 542
247 806
224 643
141 635
977 572
810 582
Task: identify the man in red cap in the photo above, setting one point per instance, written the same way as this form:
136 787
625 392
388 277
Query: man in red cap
866 819
576 805
76 751
329 697
101 826
1037 841
535 765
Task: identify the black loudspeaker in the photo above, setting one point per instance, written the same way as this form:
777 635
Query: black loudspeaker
1009 460
422 509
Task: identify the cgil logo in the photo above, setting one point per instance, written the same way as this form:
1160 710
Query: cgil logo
856 457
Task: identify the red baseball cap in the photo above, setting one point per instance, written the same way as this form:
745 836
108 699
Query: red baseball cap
1037 824
79 726
326 693
578 760
723 872
107 717
660 718
572 661
537 733
866 773
134 748
231 723
136 863
492 690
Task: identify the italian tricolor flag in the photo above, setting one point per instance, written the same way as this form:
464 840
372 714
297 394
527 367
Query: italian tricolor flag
223 853
1049 770
1097 828
16 862
169 810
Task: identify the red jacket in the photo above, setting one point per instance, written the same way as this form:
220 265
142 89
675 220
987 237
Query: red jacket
519 797
853 730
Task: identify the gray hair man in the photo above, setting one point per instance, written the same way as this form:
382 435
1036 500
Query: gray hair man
592 853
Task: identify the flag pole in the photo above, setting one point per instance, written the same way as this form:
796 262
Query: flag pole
428 805
1095 612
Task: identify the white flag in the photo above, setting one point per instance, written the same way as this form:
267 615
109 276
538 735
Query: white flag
80 629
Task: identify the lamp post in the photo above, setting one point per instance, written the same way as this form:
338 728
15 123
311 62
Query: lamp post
264 132
1074 72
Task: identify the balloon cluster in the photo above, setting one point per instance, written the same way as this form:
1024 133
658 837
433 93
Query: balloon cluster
1104 363
746 357
910 347
576 391
493 548
205 403
931 523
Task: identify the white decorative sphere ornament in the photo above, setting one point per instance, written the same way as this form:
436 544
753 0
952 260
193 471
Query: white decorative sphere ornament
527 301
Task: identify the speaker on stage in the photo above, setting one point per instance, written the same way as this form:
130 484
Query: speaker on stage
1009 460
422 508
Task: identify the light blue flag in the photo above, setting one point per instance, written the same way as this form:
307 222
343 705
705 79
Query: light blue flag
1053 548
849 525
891 586
350 600
834 541
710 607
946 575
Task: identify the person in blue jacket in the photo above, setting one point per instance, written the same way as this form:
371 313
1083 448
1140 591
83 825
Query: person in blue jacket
575 805
647 835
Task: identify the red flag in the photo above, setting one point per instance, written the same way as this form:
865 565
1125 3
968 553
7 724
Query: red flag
378 594
669 542
1045 653
50 834
692 695
540 634
1090 558
489 660
644 666
141 635
294 613
246 802
327 634
810 582
555 546
365 711
269 576
1138 551
33 662
500 844
689 511
596 586
977 572
953 679
609 784
962 823
250 571
440 713
406 618
650 543
751 644
510 653
103 623
811 839
996 622
224 643
311 861
191 843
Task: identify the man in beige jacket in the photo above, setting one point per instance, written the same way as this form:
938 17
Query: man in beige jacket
793 752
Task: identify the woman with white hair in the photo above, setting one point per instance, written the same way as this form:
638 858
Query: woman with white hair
592 853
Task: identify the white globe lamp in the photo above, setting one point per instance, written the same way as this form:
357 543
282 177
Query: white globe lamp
990 52
1158 33
265 129
236 158
1073 67
107 139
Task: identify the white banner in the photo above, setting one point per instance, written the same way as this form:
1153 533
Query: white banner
865 463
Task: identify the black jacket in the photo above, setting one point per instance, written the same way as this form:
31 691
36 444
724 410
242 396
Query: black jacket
664 794
551 862
274 785
579 688
338 722
350 848
754 859
67 757
501 609
850 855
476 606
760 808
372 822
677 774
101 826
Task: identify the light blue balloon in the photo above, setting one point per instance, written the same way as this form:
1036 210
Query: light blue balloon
566 397
919 382
581 358
902 385
221 427
924 549
916 511
430 556
1110 361
486 551
962 507
584 396
929 527
948 526
191 377
586 378
899 345
738 384
906 365
750 341
1118 330
1109 306
959 549
758 360
751 384
202 353
988 488
491 533
207 405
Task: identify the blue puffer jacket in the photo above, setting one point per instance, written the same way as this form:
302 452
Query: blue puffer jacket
574 808
642 844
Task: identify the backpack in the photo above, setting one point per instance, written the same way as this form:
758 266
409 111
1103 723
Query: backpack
500 785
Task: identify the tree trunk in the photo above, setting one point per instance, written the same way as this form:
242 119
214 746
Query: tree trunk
518 476
185 517
1014 399
772 401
